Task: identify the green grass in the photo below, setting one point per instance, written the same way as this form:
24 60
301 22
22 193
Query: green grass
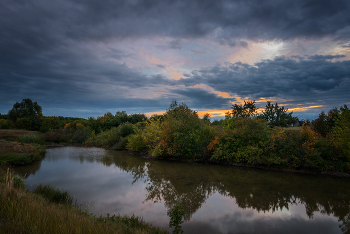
23 211
53 194
20 159
30 139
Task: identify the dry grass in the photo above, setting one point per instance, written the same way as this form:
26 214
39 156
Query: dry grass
14 133
24 212
18 153
11 147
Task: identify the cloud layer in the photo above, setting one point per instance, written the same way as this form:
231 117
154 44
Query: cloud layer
83 58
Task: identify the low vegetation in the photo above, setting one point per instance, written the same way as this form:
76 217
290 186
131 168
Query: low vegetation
43 211
17 148
244 137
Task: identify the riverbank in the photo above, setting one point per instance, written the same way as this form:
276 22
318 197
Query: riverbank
22 211
19 153
146 155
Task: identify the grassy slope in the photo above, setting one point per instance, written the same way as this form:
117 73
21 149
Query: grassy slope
25 212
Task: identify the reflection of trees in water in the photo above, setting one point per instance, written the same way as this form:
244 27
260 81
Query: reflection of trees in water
193 184
27 170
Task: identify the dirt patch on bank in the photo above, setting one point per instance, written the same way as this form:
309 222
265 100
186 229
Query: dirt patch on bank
11 147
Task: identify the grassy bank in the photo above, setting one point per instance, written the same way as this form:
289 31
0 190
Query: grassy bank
23 211
20 147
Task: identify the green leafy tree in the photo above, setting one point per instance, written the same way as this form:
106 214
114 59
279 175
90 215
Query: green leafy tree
27 109
277 115
325 123
184 134
341 134
248 109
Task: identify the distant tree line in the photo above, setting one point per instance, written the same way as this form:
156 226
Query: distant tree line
245 137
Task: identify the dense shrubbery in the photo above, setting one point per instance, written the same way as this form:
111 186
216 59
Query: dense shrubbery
324 147
180 134
111 137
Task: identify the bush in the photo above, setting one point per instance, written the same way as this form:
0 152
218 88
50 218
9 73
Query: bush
56 136
180 133
184 134
136 143
30 139
125 129
111 137
53 194
242 140
18 182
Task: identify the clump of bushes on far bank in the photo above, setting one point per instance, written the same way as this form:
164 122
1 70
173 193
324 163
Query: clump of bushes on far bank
180 133
249 141
116 135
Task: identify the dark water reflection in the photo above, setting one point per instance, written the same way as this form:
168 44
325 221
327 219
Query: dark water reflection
217 199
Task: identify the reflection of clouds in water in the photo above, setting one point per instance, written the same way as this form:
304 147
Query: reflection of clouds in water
234 223
74 153
216 198
223 215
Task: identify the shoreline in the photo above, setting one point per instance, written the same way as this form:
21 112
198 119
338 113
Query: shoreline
146 155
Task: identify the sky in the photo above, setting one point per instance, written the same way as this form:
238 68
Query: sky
83 58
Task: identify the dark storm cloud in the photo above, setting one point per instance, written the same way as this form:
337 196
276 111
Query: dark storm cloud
315 79
48 48
92 20
202 99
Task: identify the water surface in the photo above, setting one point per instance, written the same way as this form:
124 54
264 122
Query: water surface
216 198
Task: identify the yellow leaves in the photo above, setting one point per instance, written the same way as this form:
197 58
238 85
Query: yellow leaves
212 144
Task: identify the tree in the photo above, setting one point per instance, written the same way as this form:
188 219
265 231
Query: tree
325 123
244 111
27 109
277 116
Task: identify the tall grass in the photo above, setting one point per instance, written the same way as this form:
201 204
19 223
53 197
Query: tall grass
53 194
25 212
30 139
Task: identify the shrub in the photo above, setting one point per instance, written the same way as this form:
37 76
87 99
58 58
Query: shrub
18 182
56 136
50 123
242 140
30 139
137 143
111 137
53 194
184 134
24 123
125 129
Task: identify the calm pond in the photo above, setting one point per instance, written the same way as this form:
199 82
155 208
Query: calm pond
216 198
